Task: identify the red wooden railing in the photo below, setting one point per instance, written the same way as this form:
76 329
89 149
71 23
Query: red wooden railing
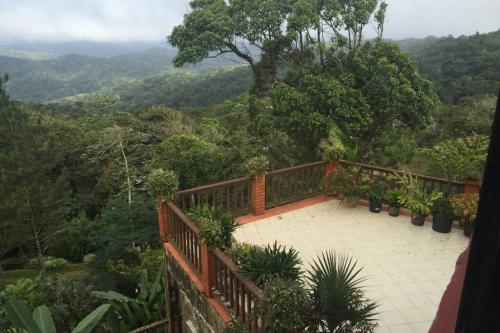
235 291
184 235
234 195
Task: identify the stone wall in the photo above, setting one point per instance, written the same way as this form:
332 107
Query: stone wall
197 313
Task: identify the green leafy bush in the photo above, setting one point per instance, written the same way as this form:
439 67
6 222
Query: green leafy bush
459 158
415 198
256 166
393 196
338 302
163 183
264 263
216 225
238 252
333 148
285 306
378 188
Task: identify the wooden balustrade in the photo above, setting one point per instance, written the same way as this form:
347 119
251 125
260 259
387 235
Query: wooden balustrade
428 182
184 235
234 195
235 292
293 184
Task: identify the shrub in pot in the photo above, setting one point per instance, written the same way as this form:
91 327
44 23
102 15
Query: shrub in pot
347 181
392 198
442 215
256 166
378 189
163 184
465 208
417 200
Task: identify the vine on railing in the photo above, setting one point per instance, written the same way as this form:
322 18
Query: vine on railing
293 184
233 195
429 183
184 235
234 291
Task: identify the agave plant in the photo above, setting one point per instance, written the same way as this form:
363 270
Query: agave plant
336 295
276 261
130 313
41 321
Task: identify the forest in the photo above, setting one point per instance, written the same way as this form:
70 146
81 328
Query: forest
77 219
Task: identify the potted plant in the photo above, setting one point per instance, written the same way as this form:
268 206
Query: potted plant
442 215
392 198
417 200
347 182
465 208
378 189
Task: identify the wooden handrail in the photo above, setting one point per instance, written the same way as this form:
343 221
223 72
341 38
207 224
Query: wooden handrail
212 186
388 170
183 217
252 287
297 167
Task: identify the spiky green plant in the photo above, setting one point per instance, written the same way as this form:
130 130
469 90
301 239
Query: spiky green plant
264 263
336 295
219 225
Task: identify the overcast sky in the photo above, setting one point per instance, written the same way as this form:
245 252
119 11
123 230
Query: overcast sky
151 20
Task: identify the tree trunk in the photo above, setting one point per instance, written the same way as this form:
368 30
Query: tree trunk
129 183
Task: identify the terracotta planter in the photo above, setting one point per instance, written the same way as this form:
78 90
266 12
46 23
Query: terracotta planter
418 219
394 211
472 185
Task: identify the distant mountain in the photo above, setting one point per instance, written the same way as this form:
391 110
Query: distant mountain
459 67
73 74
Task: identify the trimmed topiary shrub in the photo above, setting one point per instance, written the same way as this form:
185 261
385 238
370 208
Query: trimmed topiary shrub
163 183
256 166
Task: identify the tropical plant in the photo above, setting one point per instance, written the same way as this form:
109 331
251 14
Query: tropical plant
163 184
256 166
415 197
337 299
130 313
465 207
216 225
41 321
393 196
238 252
264 263
285 306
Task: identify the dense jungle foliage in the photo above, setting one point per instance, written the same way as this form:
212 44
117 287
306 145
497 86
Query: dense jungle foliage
74 205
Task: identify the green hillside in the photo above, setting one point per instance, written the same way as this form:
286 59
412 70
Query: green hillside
459 67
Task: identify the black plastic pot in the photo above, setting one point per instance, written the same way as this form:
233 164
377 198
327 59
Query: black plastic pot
375 205
394 211
418 219
441 224
468 229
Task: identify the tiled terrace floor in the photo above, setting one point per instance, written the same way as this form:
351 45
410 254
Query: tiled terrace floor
408 267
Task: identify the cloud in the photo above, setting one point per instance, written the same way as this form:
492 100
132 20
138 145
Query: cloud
99 20
148 20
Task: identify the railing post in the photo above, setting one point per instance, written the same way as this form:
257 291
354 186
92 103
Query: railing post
207 270
472 186
162 219
329 168
259 194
